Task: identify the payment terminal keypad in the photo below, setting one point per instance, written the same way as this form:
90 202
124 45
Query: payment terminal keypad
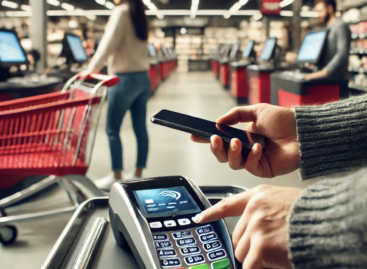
195 248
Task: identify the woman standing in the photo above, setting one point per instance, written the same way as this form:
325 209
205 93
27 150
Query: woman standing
125 47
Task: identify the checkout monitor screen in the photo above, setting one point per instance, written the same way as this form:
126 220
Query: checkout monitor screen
166 202
311 47
234 51
268 49
152 51
248 50
10 49
77 48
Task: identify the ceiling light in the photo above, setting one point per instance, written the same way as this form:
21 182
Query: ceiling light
109 5
235 8
101 2
9 4
310 14
183 31
285 3
194 8
26 8
55 3
257 16
90 16
67 6
227 15
146 2
286 13
160 16
152 7
305 8
19 14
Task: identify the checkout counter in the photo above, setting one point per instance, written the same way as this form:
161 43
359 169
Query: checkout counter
258 76
224 71
238 71
15 85
290 88
216 57
154 70
164 63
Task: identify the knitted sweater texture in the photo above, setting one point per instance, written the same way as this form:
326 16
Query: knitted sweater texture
328 225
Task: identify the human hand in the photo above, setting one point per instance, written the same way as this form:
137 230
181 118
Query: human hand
260 238
319 74
277 124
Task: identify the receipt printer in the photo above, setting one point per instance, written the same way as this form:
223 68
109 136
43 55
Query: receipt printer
152 218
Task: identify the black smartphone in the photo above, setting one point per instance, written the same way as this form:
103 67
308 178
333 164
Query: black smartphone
206 129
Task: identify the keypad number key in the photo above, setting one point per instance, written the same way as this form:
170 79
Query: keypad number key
216 255
211 246
183 234
166 253
192 260
208 237
163 244
189 251
160 237
185 242
204 230
171 263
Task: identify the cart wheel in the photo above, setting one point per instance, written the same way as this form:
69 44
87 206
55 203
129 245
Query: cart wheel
8 235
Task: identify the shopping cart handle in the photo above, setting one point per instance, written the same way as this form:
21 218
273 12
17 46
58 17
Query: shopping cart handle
107 81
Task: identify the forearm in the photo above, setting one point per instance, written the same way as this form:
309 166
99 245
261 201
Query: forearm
332 138
328 225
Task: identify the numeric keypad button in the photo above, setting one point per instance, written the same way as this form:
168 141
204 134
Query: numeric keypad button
189 251
160 237
163 244
167 253
211 246
192 260
204 230
216 255
208 237
185 242
180 235
171 263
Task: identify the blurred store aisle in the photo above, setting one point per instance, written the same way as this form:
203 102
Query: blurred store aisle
171 153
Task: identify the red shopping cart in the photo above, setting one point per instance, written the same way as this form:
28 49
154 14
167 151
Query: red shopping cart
50 134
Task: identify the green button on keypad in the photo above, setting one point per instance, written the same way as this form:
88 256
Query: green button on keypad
202 266
222 264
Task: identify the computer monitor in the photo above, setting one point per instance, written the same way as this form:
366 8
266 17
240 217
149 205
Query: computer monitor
249 50
152 51
268 51
234 51
312 46
164 51
11 51
73 49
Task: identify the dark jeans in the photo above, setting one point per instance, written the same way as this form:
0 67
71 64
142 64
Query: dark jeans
132 94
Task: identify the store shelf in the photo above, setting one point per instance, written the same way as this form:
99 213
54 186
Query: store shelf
358 71
359 36
358 4
357 87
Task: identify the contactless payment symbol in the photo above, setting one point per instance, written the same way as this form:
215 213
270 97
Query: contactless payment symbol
174 194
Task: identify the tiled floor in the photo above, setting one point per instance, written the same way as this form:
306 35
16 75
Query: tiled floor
171 153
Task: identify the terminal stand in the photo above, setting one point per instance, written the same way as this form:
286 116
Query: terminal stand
288 91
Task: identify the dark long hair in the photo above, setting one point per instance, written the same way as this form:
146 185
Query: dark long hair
140 21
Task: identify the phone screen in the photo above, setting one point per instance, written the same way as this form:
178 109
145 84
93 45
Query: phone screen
207 128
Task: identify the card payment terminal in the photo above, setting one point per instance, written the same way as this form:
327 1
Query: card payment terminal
153 219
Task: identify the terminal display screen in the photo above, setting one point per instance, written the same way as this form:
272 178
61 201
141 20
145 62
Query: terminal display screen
10 48
248 50
152 51
166 201
234 51
77 48
311 47
268 50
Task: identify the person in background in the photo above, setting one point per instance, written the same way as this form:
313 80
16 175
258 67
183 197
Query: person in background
323 226
125 46
334 62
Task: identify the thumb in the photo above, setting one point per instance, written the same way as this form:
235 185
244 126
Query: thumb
239 114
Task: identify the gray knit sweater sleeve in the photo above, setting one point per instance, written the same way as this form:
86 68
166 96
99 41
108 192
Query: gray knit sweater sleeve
328 225
332 137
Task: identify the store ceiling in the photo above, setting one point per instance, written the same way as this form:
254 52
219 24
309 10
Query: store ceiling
161 4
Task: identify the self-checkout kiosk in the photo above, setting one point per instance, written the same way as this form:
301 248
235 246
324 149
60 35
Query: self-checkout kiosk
75 56
290 88
153 219
15 79
229 56
164 62
238 70
258 76
154 70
